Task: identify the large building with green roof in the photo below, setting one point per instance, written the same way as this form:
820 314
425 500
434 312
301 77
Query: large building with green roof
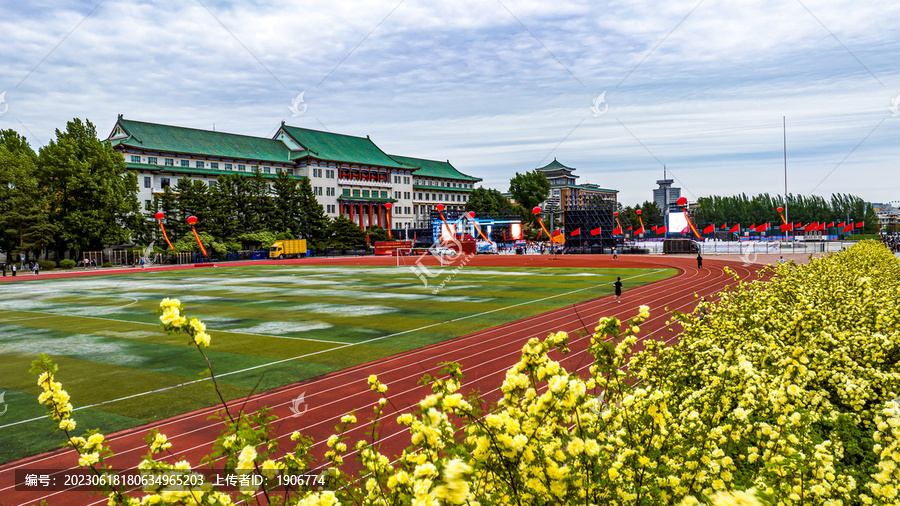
350 176
436 183
565 192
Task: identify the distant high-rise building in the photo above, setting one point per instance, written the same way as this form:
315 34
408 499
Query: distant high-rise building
666 195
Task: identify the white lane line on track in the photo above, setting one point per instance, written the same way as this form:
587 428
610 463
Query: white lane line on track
598 303
534 322
345 345
497 372
506 328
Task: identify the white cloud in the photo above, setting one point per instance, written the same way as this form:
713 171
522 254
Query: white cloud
465 81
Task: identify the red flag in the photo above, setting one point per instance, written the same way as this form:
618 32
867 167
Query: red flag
822 226
629 228
724 226
842 224
577 231
617 231
557 232
653 227
763 227
639 231
596 231
660 230
710 229
848 228
860 224
753 227
831 225
736 228
810 227
786 227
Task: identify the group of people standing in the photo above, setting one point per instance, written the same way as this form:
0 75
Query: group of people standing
32 266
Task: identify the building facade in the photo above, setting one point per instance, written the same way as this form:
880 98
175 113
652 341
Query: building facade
565 192
350 176
666 196
436 183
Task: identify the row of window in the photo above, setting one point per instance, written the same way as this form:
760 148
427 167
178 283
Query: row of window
427 209
170 162
401 179
396 210
446 184
364 193
439 197
329 174
399 195
329 192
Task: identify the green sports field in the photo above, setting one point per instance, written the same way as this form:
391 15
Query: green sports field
271 325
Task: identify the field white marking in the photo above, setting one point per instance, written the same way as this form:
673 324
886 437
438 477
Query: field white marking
305 355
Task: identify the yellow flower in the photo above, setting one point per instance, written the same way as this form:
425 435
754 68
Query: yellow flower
246 459
270 468
89 459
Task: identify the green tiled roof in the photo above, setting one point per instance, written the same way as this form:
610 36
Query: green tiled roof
433 168
149 167
173 139
340 148
556 166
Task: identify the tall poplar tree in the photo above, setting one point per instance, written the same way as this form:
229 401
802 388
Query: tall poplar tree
91 193
24 222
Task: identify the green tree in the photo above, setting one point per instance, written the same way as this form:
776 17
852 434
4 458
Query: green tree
314 224
91 193
345 234
167 203
376 233
262 240
232 197
483 201
24 220
650 213
286 214
261 209
529 190
193 200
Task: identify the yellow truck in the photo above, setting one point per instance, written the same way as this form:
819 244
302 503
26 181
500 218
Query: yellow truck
288 248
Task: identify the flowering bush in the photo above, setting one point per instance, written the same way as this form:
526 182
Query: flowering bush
782 392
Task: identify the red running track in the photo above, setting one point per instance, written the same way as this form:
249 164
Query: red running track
485 356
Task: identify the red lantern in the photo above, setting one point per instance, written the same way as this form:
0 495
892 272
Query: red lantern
536 210
440 207
638 212
388 206
682 201
616 214
780 209
192 220
471 214
160 215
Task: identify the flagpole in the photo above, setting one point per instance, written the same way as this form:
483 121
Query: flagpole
784 142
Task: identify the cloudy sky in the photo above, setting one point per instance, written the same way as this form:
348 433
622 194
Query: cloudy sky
615 89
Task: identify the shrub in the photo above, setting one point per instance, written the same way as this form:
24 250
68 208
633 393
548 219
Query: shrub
47 265
67 263
107 264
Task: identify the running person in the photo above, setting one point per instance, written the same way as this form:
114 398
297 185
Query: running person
618 285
